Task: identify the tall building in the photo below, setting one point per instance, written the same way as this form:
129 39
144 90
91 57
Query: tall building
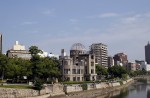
101 53
1 42
147 53
120 59
79 66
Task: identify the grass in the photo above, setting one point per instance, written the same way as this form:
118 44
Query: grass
17 86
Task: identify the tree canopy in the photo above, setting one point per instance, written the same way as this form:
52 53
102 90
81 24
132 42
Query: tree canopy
101 70
117 71
37 67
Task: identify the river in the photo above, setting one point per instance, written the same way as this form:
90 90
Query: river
139 89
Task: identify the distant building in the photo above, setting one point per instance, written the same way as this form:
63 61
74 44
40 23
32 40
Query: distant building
131 66
1 41
51 55
46 54
18 51
147 53
120 59
79 66
101 53
43 54
146 66
110 61
139 64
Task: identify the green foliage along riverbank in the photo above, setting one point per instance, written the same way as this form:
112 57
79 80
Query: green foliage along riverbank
17 70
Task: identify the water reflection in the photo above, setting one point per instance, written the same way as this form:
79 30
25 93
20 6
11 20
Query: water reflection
139 89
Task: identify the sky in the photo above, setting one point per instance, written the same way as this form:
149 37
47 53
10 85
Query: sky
52 25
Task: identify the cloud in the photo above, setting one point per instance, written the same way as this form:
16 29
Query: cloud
108 15
49 12
104 15
128 34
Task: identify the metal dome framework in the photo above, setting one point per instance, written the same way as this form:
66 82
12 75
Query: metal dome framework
78 46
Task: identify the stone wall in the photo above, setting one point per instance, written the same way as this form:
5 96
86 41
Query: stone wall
72 88
101 89
51 89
15 93
56 89
92 86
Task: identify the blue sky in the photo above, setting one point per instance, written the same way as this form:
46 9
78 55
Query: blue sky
124 25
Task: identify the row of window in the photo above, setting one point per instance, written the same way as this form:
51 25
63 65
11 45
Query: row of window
74 79
77 71
74 71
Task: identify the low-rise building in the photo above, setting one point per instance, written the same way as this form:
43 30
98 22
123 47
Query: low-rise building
131 66
18 51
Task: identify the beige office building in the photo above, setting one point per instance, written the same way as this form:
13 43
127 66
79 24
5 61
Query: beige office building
18 51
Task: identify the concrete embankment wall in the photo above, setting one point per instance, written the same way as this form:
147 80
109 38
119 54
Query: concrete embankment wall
49 90
67 91
93 89
17 93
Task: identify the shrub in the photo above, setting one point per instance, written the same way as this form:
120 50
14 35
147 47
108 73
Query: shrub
84 86
121 82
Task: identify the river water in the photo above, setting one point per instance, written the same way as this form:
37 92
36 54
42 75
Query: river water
139 89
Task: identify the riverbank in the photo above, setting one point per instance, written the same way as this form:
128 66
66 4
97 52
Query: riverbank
96 92
66 91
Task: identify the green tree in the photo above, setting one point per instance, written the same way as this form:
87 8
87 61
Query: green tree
3 65
44 68
38 84
101 70
117 71
34 50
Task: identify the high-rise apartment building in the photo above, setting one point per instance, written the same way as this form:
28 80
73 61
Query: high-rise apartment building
147 53
1 42
101 53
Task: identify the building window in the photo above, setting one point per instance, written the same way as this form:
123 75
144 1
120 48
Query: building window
92 57
66 71
92 63
81 71
78 71
66 63
73 71
67 79
78 78
74 78
85 70
92 71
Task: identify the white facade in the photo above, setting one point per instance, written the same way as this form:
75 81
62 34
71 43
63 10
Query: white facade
148 67
43 54
46 54
145 66
17 46
53 55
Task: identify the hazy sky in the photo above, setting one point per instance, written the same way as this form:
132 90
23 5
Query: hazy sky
123 25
